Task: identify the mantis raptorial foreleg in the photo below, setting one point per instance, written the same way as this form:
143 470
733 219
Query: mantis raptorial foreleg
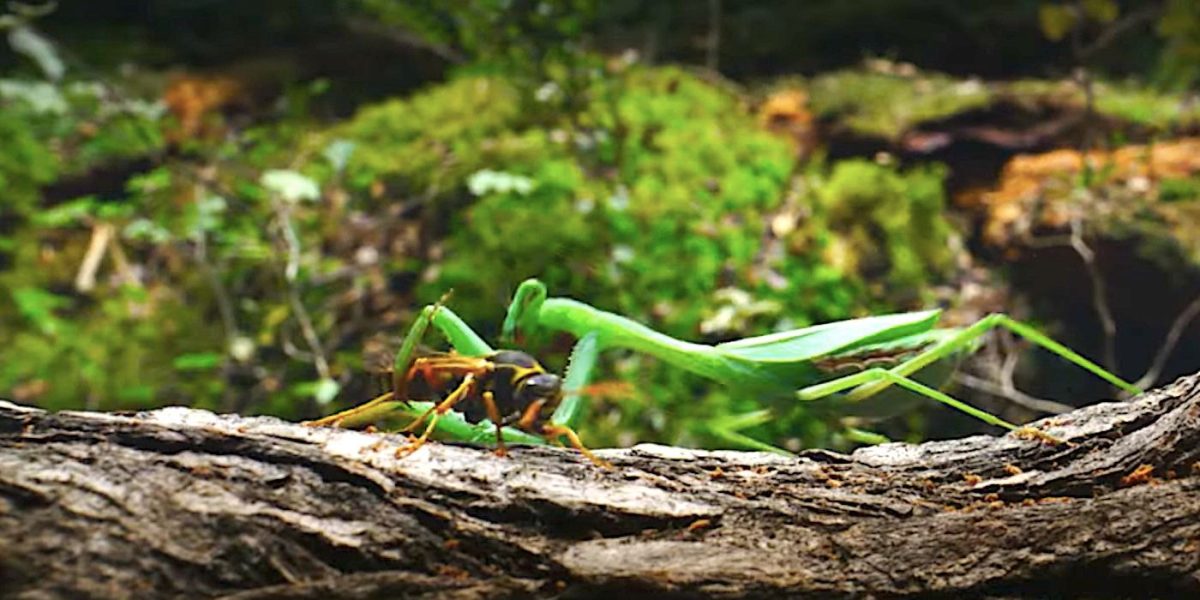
464 340
871 382
575 379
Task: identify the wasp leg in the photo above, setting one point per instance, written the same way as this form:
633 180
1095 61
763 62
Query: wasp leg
363 413
429 367
462 391
551 430
530 416
411 427
489 402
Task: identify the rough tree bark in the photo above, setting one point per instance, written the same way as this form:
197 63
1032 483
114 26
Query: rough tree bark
184 503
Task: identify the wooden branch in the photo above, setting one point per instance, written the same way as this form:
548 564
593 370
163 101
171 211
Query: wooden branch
185 503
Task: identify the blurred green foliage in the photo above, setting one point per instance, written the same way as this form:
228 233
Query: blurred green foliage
51 130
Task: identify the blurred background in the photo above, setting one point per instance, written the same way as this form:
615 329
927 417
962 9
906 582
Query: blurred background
227 204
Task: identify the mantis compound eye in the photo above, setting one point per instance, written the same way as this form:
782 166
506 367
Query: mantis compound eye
542 385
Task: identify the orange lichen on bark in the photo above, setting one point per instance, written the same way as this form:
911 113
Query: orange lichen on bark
194 99
786 114
1037 190
698 525
1142 474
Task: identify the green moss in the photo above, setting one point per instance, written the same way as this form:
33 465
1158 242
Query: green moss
1128 101
50 130
437 137
1146 106
887 105
894 221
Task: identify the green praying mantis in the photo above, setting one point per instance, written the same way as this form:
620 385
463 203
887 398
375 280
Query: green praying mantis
805 364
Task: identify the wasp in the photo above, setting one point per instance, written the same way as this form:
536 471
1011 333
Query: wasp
506 387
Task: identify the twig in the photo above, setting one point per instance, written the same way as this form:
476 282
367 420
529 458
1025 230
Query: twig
85 280
224 304
291 350
1003 373
1008 367
1099 299
125 273
291 273
713 46
1112 32
1173 335
402 37
1012 395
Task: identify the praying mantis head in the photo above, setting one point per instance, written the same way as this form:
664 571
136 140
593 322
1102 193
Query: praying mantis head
522 318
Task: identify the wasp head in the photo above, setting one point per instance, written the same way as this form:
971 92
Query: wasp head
542 386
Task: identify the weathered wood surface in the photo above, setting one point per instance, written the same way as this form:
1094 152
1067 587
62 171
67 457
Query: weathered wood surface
184 503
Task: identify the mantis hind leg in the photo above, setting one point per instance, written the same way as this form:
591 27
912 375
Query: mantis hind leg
890 377
955 343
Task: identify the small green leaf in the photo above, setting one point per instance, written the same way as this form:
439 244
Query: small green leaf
40 96
1056 21
338 153
38 306
290 185
1104 11
198 361
27 41
326 390
205 215
71 213
321 390
150 182
488 181
145 229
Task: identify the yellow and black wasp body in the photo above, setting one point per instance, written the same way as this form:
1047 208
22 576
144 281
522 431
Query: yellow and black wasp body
509 387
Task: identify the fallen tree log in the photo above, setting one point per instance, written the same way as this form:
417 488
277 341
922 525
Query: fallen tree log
185 503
